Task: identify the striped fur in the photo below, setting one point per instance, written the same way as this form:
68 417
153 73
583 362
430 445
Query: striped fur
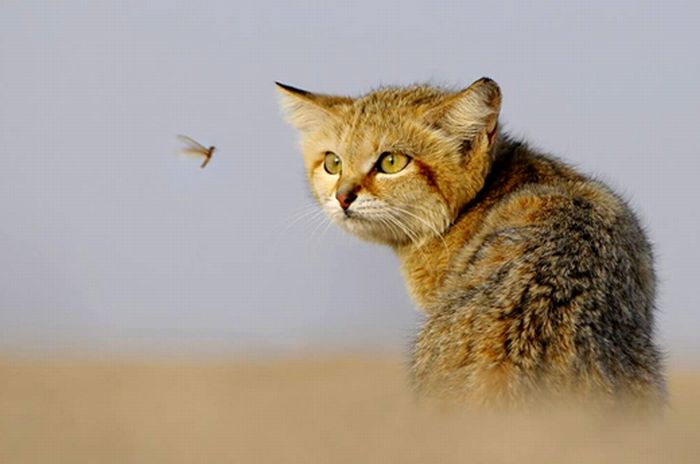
537 281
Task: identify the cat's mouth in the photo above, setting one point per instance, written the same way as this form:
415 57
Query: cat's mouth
350 216
366 219
356 220
372 222
354 215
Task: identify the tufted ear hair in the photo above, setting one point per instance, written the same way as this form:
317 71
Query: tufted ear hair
308 111
470 112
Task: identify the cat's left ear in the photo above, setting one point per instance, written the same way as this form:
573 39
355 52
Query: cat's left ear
470 112
308 111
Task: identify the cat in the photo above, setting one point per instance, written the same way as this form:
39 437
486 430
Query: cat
537 281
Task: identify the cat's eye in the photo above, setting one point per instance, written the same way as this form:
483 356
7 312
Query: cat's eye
392 162
332 163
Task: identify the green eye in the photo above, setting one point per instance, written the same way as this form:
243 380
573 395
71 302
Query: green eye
332 163
391 163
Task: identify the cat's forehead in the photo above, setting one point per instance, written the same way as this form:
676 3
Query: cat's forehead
401 97
374 120
392 102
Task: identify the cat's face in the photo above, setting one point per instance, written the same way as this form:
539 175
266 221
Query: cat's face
395 166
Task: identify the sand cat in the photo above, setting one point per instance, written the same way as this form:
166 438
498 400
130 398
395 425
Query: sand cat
536 281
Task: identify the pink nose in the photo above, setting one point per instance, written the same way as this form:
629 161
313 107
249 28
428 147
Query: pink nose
345 199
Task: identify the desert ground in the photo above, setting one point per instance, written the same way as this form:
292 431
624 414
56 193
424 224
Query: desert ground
335 409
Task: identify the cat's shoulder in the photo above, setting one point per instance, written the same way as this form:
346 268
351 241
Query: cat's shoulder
549 191
566 212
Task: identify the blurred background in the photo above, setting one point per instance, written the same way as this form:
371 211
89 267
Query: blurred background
113 248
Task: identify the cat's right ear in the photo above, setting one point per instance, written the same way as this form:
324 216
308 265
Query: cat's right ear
308 111
470 112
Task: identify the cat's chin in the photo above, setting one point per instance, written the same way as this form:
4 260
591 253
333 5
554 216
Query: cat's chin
367 229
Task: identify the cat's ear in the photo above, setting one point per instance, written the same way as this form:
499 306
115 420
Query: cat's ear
470 112
308 111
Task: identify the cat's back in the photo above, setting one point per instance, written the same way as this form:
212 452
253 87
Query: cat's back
552 292
552 212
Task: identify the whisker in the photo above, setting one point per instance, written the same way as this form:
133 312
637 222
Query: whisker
396 231
308 212
426 223
329 223
410 233
304 213
322 220
413 235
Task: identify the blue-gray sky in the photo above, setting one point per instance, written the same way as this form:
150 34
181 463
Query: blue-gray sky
110 243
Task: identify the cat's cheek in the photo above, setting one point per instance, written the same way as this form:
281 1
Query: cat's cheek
323 186
328 203
334 212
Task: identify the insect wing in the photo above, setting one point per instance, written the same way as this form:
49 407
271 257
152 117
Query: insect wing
192 144
195 149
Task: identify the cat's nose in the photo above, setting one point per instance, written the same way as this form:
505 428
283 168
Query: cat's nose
345 199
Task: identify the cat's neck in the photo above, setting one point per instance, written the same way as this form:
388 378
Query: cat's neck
424 263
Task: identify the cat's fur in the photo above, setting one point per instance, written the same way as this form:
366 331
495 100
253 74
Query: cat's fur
536 281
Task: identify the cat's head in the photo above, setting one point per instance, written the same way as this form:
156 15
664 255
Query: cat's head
396 165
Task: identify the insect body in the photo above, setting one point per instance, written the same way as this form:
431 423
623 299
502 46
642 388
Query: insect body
194 148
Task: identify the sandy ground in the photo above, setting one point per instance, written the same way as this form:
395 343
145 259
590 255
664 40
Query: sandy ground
331 410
